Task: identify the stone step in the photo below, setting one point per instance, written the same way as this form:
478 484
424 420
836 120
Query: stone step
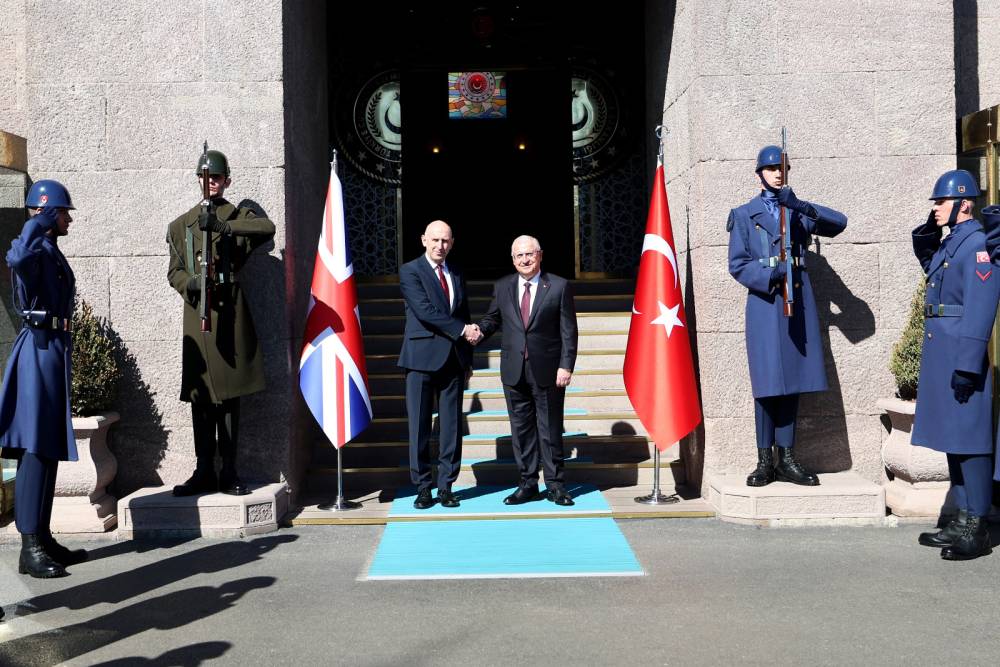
599 449
841 498
479 304
375 507
588 340
323 479
606 400
388 289
497 424
585 359
393 384
585 321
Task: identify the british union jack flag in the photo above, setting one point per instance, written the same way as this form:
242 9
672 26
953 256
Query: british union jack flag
332 375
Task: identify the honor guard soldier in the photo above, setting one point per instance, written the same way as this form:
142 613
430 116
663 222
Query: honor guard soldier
222 358
955 390
784 351
35 423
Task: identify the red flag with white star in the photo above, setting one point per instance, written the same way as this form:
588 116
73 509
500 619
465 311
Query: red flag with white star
659 369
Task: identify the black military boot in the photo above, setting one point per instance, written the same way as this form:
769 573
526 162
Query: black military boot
202 481
789 470
764 473
230 482
61 554
972 543
36 561
947 535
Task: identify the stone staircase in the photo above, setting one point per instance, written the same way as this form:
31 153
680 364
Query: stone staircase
606 445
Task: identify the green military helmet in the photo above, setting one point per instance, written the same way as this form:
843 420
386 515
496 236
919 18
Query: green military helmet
218 165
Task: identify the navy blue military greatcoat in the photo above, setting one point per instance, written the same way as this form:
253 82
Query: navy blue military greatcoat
785 353
34 402
961 304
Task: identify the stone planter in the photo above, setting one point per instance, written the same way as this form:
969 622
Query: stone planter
920 475
82 503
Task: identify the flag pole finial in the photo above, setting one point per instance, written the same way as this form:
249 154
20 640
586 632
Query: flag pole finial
333 160
660 131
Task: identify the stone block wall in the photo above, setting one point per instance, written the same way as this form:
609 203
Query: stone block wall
869 106
115 101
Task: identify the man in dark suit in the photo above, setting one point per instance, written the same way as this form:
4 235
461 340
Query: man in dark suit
537 357
437 357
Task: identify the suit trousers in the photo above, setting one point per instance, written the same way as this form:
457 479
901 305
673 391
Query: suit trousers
536 422
215 424
422 387
34 489
971 482
775 419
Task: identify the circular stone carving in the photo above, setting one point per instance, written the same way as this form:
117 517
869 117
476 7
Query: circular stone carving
596 125
370 129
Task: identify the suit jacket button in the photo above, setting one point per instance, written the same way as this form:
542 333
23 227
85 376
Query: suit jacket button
930 335
932 284
945 265
797 285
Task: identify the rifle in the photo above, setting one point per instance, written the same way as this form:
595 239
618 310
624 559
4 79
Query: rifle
787 292
204 305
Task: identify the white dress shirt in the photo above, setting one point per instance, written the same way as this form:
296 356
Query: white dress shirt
447 277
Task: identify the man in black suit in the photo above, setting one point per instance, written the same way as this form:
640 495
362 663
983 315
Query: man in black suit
437 357
537 357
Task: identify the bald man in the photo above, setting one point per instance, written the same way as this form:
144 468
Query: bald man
436 355
538 317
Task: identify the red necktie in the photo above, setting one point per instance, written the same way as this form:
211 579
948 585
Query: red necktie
526 304
444 285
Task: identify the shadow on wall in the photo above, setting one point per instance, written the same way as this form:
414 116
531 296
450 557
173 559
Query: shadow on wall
822 429
265 416
693 446
139 440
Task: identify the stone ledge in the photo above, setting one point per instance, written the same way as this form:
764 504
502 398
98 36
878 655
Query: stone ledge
840 498
155 512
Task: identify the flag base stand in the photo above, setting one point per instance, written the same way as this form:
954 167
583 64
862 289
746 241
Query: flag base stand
341 504
657 498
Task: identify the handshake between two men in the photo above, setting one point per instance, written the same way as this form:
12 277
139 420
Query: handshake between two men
537 317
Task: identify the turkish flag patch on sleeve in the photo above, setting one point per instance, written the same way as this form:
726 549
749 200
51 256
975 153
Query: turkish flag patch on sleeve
982 257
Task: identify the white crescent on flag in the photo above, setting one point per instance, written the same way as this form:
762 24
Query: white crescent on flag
658 244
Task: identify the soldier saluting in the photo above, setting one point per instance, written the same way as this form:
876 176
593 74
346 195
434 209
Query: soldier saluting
221 354
783 342
954 412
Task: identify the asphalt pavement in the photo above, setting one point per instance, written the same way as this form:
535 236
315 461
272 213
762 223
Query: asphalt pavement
714 593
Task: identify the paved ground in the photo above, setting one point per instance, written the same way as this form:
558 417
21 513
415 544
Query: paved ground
715 594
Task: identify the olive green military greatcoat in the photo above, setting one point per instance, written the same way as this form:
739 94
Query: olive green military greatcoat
227 361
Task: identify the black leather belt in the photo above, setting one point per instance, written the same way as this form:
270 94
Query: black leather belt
942 310
41 319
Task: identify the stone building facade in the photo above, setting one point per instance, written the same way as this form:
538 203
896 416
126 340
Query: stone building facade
116 99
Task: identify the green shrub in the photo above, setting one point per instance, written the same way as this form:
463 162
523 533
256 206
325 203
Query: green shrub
905 360
95 371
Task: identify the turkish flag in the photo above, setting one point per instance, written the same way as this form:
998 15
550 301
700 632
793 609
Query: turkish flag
659 370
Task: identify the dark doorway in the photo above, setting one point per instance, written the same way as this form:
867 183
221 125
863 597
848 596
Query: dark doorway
490 179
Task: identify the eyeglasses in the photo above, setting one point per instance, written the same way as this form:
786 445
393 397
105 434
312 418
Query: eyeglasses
526 255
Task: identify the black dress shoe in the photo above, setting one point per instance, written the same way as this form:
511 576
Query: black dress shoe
522 495
972 543
424 500
200 482
36 562
763 474
947 535
447 498
231 484
558 495
790 470
61 554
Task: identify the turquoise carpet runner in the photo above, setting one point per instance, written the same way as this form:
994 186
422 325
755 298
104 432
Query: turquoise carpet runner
502 547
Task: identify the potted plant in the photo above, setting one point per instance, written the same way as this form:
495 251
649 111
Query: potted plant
82 503
918 480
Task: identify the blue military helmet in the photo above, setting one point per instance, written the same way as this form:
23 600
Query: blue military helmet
769 156
48 193
956 184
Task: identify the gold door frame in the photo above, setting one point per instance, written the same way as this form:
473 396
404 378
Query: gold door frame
981 143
